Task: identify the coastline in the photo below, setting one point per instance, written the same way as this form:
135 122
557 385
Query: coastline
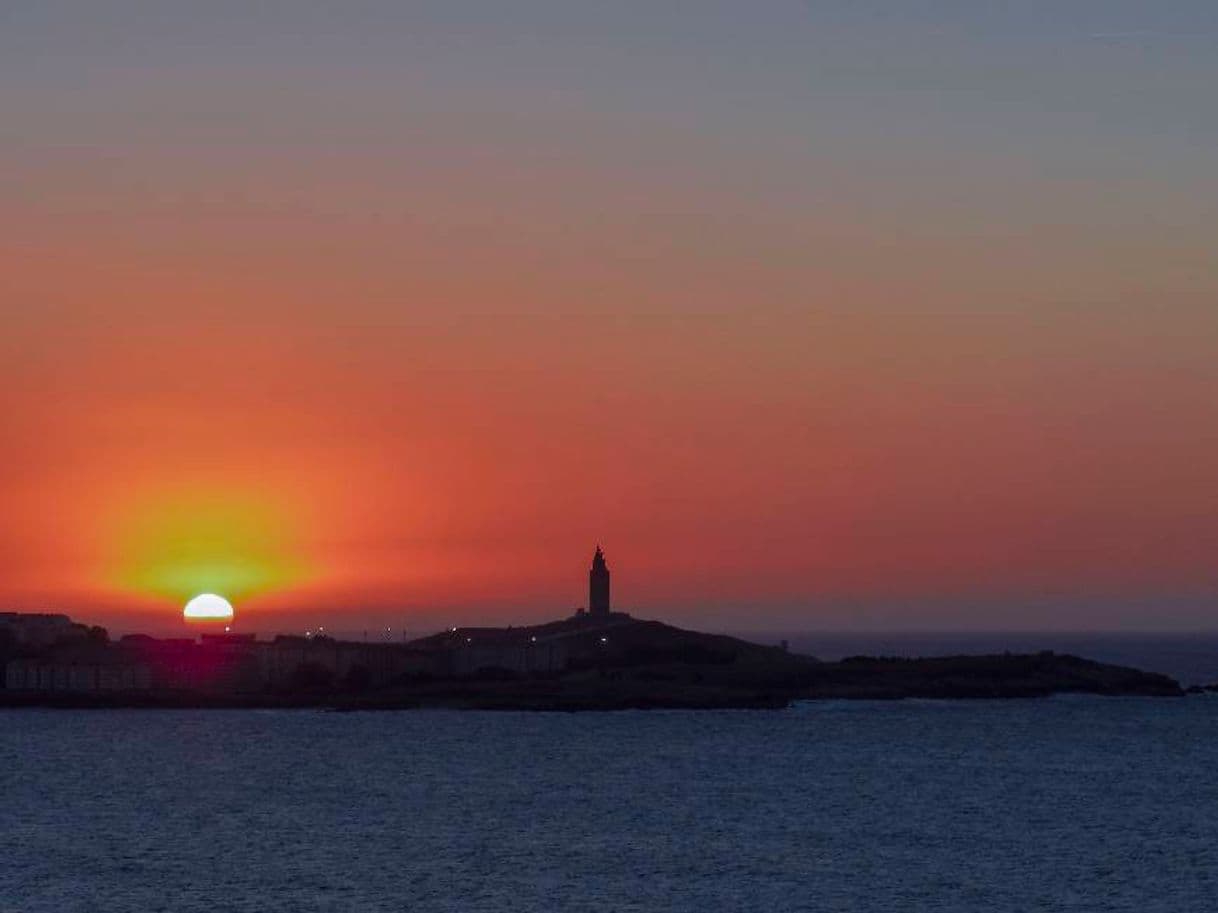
729 685
582 663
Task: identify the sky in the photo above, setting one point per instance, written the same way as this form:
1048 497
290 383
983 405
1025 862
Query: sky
816 315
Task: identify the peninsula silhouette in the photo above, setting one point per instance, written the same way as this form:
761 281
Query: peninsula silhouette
596 659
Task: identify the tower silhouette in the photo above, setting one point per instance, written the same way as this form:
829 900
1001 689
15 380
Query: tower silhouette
598 585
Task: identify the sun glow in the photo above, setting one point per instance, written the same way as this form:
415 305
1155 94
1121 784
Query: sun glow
208 607
169 545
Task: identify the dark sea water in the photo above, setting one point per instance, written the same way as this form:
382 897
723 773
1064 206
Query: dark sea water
1074 803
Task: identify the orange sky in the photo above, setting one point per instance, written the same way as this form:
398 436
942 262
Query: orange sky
342 343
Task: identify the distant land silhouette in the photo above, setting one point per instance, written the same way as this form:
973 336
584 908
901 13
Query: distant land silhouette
597 659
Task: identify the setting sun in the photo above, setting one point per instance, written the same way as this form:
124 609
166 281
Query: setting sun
208 607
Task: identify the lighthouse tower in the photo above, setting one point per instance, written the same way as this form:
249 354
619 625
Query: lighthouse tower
598 586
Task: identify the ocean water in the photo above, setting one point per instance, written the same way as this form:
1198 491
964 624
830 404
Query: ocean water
1072 803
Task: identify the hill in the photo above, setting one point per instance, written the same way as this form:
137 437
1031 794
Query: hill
577 663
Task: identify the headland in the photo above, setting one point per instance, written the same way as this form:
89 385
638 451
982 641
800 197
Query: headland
611 662
596 659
